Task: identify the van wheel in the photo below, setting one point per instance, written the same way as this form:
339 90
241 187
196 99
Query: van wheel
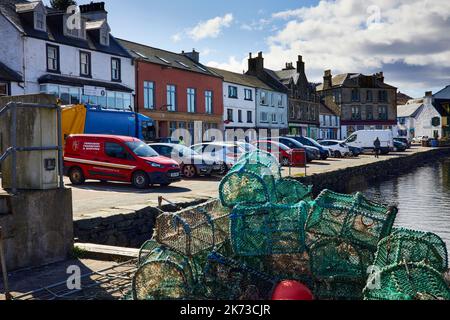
140 180
76 176
189 171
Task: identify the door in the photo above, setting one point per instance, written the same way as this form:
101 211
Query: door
116 163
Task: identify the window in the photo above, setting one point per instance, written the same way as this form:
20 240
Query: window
249 117
85 64
120 101
75 96
172 127
355 94
115 150
232 92
263 99
280 101
52 58
356 113
240 116
149 95
115 69
3 89
369 96
369 113
209 102
352 138
171 97
382 96
163 60
337 96
191 103
104 36
183 64
382 113
39 22
264 117
248 95
274 118
230 115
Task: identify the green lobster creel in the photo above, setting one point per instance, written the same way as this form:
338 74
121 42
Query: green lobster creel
339 268
407 281
194 230
412 246
268 229
349 217
163 275
291 191
251 180
228 279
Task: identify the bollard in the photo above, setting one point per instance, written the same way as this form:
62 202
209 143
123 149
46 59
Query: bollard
4 271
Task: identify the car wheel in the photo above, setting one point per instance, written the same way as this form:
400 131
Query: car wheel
285 162
140 180
338 154
223 169
189 171
76 176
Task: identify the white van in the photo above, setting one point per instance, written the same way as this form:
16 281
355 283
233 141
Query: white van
365 138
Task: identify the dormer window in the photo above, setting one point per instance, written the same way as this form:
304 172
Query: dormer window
39 21
74 28
33 10
104 37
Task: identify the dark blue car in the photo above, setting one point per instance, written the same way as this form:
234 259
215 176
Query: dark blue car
324 153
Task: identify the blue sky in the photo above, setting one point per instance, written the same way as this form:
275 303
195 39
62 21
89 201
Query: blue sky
407 39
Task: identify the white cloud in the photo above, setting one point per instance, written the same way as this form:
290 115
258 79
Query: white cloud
176 37
349 36
232 64
210 28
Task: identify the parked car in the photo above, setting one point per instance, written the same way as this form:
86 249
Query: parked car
224 152
286 156
404 140
117 158
309 142
192 164
419 139
338 148
312 153
355 151
399 146
365 139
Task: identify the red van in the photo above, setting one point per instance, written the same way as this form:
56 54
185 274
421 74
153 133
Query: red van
117 158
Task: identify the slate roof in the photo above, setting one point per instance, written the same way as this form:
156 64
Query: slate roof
55 29
285 76
238 78
350 80
7 74
57 79
408 110
325 110
164 57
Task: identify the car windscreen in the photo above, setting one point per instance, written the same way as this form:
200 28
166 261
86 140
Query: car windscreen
140 149
313 143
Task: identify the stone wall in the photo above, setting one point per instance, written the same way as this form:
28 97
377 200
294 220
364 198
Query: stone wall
123 230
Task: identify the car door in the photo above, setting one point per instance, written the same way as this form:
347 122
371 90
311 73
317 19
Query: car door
117 163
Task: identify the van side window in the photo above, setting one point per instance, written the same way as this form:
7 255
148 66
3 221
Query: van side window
115 150
352 138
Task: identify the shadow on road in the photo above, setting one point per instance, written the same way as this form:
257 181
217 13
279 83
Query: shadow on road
127 188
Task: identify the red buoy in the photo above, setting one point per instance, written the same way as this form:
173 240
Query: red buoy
292 290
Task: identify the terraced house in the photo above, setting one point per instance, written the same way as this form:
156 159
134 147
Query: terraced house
304 102
71 55
177 92
362 101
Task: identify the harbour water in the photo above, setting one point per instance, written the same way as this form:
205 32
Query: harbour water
422 196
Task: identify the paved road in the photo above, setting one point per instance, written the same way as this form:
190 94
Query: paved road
96 199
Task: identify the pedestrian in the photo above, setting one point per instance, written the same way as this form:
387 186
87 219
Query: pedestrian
181 141
377 145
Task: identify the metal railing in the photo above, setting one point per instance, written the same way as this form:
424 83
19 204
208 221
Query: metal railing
12 150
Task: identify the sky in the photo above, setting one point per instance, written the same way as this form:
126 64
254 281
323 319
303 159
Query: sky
407 39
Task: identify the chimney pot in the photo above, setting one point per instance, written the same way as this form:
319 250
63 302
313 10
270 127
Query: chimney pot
260 54
429 94
250 55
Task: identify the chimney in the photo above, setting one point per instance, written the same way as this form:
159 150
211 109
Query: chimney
380 76
289 66
327 80
255 65
194 55
428 100
94 11
429 94
300 65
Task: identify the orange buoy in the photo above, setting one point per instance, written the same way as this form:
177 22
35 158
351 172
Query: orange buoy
292 290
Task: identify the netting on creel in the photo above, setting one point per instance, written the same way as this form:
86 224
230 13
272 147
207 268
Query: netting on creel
412 246
251 180
228 279
164 274
194 230
407 281
349 217
259 230
339 268
290 191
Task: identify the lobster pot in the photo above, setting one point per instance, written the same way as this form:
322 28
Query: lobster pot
268 229
291 266
407 281
163 275
290 191
350 217
412 246
194 230
229 279
251 180
339 268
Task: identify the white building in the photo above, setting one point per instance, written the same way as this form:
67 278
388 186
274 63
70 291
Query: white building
43 50
419 117
330 124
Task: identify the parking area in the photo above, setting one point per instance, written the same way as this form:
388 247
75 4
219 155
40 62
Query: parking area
96 198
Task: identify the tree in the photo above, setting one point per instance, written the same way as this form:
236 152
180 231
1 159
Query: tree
62 4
